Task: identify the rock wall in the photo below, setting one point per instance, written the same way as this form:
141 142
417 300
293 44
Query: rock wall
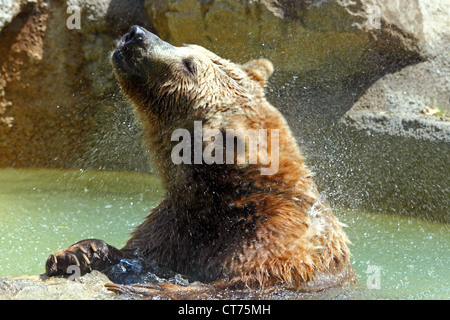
58 103
415 101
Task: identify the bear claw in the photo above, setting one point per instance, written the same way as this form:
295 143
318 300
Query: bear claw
87 255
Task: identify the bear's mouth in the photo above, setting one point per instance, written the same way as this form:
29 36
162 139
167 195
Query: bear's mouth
118 55
124 58
127 53
119 61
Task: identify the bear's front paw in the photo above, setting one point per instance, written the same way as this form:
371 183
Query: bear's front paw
80 258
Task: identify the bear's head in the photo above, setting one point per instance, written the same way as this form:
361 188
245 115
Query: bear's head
168 81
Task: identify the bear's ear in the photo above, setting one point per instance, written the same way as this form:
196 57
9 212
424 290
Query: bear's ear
259 70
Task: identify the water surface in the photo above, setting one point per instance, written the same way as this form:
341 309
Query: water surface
43 210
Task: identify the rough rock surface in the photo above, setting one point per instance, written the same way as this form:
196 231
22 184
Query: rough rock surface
88 287
57 103
397 103
318 40
9 9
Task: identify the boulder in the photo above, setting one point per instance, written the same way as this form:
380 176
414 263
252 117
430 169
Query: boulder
9 9
35 287
413 102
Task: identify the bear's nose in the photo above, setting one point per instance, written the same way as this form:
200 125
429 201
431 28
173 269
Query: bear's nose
136 34
139 37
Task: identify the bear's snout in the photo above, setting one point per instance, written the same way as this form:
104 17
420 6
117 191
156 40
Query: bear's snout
136 34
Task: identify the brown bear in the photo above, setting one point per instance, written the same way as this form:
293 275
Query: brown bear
224 218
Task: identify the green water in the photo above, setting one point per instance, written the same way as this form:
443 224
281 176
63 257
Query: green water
42 211
412 256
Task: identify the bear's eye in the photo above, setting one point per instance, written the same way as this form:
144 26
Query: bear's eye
189 64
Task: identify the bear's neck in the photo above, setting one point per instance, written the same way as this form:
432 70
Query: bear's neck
195 182
157 140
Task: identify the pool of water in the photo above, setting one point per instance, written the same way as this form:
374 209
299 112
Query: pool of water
46 210
42 210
